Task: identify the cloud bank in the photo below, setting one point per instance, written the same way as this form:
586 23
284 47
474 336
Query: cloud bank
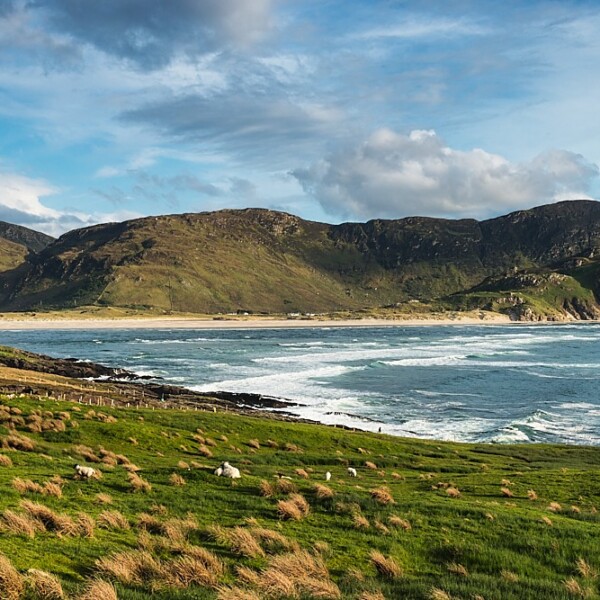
394 175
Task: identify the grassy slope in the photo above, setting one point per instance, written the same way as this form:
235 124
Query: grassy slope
11 254
508 551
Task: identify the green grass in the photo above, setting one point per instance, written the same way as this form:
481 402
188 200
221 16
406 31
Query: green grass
487 533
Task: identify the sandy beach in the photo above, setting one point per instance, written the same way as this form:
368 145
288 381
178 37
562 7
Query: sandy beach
11 323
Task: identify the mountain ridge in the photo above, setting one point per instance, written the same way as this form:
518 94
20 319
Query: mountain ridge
267 261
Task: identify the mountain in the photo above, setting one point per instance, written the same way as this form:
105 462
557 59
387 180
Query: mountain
17 242
266 261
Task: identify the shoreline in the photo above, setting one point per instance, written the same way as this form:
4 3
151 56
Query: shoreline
191 323
246 323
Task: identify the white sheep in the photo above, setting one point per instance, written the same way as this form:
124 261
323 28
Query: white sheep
327 476
84 472
352 472
226 470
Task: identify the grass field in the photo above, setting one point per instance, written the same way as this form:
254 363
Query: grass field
423 519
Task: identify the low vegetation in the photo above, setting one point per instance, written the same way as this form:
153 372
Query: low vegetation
422 520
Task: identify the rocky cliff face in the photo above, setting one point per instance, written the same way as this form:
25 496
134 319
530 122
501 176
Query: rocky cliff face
268 261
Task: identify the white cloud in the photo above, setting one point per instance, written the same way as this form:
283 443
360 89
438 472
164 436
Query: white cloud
394 175
413 28
21 204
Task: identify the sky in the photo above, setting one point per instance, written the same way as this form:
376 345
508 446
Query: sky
333 110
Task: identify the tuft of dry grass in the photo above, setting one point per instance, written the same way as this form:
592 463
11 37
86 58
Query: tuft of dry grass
187 570
44 585
50 520
370 465
506 492
372 596
86 453
103 498
386 566
273 542
585 569
11 581
85 525
183 465
272 444
360 522
396 521
532 495
20 442
205 451
239 540
458 569
302 473
285 486
176 480
16 524
24 486
382 495
288 447
453 492
52 489
509 576
574 588
236 593
439 594
112 519
546 521
5 461
265 489
381 527
254 444
138 484
132 567
323 492
99 590
554 507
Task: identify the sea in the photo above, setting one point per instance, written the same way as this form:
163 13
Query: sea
487 383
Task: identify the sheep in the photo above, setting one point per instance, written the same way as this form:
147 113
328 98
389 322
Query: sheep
84 472
226 470
327 476
352 472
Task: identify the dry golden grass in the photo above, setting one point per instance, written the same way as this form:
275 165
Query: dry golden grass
17 524
138 484
318 588
453 492
289 511
19 442
187 570
396 521
546 521
85 525
247 576
439 594
5 461
372 596
360 522
178 530
301 502
44 585
103 498
112 519
381 527
532 495
458 569
11 582
150 523
271 541
87 453
382 495
176 480
205 451
506 492
285 486
302 473
509 576
236 593
183 465
370 465
574 588
52 489
265 489
99 590
254 444
386 566
132 567
554 507
239 540
50 520
292 448
206 557
272 444
585 569
24 486
321 547
323 492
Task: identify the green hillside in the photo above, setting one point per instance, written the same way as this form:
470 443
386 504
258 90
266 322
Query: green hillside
268 262
424 520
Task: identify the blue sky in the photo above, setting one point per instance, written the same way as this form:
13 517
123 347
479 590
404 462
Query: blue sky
330 109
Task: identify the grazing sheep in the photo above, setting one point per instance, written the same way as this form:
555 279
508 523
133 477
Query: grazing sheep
327 476
84 472
226 470
352 472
